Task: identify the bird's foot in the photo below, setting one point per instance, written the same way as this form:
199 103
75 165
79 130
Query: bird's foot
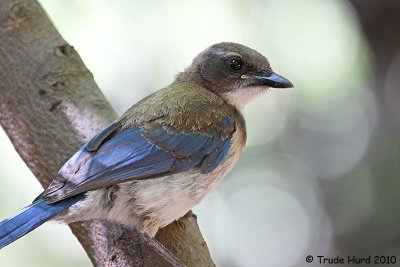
161 250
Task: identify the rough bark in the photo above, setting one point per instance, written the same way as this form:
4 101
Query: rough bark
49 106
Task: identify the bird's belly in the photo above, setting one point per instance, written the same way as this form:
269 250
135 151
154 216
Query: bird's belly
153 203
168 198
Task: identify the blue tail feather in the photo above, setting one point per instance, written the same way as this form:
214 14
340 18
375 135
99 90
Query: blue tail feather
31 217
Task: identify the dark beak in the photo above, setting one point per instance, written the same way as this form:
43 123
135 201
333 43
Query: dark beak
271 79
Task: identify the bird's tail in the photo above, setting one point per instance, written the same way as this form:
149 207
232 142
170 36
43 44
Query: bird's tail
31 217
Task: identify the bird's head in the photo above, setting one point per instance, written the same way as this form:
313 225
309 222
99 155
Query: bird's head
235 72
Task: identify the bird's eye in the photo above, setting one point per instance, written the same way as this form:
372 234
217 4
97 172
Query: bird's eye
235 64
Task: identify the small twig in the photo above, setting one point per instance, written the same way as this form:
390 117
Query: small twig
161 250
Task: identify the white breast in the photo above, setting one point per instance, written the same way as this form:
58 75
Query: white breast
166 199
153 203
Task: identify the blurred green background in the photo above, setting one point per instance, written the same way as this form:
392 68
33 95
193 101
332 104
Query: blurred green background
319 174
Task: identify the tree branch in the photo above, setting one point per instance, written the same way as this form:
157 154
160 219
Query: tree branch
49 106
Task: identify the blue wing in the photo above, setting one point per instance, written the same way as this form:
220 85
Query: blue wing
138 154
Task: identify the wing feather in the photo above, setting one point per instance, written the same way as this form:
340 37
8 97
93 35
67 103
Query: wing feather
134 154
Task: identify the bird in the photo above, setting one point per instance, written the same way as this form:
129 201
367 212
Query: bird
164 154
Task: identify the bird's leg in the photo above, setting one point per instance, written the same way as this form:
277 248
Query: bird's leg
161 250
